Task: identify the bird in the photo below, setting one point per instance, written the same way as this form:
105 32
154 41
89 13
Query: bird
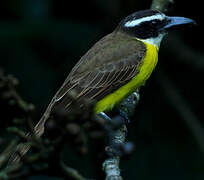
115 67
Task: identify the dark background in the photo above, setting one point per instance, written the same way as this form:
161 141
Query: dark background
41 40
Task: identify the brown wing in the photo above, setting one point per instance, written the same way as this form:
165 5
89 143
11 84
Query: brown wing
111 63
108 65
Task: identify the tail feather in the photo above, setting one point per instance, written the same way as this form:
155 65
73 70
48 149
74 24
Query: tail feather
20 151
23 148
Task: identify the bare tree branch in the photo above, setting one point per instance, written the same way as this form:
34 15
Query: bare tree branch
117 139
161 5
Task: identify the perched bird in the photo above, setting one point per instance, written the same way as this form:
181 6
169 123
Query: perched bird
116 66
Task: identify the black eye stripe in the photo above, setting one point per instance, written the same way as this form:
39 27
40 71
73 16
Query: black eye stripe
155 21
151 23
155 24
146 29
144 24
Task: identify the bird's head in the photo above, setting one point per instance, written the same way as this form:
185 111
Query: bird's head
150 25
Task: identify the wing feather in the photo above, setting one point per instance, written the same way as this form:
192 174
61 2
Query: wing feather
102 84
108 65
93 78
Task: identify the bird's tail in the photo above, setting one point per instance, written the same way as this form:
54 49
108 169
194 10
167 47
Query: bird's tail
23 148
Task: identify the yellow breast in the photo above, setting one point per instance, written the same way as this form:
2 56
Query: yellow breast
148 64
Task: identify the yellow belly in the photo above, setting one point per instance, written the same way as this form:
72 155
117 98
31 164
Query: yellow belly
148 64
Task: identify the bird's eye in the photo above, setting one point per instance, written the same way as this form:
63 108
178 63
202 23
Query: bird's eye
153 22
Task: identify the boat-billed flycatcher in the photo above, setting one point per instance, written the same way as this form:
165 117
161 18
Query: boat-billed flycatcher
115 66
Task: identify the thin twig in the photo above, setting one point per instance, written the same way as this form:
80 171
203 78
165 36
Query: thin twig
70 172
8 151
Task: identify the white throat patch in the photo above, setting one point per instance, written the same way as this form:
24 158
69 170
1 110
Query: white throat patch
136 22
156 41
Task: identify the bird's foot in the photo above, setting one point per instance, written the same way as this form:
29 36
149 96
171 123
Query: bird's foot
105 116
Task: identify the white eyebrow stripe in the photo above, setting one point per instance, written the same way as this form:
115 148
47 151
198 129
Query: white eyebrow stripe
135 22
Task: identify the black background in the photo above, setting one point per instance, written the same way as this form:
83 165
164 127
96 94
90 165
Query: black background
41 40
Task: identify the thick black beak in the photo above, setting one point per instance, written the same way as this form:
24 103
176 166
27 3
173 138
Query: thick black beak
177 21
